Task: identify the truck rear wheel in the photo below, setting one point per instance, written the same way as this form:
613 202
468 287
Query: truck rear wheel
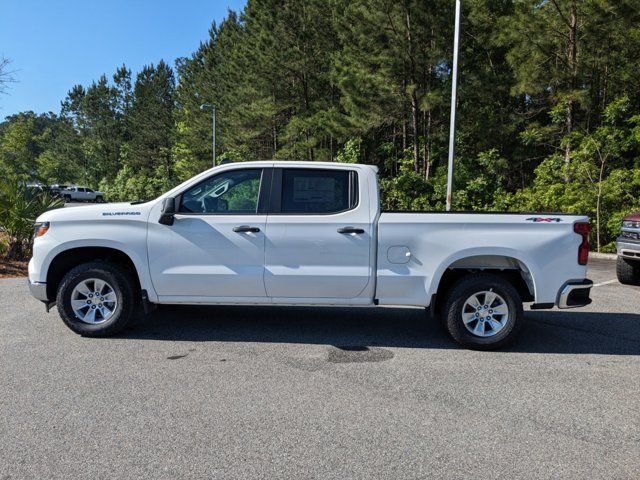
628 271
483 311
96 299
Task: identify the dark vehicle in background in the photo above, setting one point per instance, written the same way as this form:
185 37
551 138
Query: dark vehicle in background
81 194
57 188
628 248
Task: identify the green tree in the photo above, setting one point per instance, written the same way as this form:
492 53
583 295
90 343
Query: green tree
18 149
392 66
152 121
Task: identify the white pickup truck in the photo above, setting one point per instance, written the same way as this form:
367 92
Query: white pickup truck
305 233
81 194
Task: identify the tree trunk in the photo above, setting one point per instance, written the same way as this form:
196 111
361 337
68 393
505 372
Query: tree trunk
427 145
404 135
331 147
275 139
413 96
305 92
414 127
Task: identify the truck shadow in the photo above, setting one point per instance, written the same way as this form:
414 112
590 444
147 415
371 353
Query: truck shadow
545 332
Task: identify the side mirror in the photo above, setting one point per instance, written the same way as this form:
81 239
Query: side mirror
167 217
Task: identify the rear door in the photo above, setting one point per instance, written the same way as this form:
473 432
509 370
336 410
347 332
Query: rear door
318 236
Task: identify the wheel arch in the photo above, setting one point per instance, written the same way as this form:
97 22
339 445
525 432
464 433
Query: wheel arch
507 264
67 259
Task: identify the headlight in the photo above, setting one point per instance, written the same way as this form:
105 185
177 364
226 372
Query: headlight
40 228
630 224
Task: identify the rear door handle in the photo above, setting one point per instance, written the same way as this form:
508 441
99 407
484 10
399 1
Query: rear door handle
246 229
347 230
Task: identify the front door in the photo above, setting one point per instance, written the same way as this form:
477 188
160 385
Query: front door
318 236
215 248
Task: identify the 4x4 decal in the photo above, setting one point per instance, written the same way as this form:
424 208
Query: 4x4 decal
544 219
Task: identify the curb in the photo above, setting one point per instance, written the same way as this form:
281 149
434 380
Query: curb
604 256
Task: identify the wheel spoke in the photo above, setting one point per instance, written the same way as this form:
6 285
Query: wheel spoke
479 329
110 297
489 298
469 317
98 285
473 301
78 304
83 289
501 310
90 317
495 325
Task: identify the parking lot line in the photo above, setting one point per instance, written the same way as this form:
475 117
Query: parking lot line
608 282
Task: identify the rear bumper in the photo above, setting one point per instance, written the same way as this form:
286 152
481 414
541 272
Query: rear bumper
575 293
628 249
39 290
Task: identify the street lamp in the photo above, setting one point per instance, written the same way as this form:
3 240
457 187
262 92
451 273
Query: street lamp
208 106
452 124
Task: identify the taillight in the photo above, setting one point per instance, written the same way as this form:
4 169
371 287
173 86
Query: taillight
583 229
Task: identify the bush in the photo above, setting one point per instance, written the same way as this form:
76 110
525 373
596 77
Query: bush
19 208
129 185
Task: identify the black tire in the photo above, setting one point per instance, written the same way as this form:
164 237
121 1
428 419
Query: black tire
628 271
67 198
463 290
99 200
123 286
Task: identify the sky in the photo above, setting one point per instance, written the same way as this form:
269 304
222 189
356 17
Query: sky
56 44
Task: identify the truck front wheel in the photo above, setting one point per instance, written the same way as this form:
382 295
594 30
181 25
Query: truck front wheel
483 311
96 299
628 271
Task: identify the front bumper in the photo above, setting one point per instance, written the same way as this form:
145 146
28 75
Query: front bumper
628 249
39 290
575 293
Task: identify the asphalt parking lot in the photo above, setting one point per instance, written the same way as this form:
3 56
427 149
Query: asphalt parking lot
237 392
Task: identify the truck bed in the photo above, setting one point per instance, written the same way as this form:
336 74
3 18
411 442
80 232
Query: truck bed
416 248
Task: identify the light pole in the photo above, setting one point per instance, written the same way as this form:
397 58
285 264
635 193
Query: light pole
452 124
208 106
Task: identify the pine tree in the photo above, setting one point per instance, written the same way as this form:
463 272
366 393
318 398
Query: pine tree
393 59
152 120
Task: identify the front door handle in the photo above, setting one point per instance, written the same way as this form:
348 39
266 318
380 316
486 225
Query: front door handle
346 230
246 229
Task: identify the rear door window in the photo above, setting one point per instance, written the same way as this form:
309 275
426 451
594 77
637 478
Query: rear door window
317 191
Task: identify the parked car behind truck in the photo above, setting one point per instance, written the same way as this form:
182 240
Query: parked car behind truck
81 194
305 233
628 248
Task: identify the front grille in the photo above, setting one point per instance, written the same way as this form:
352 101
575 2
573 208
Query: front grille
630 235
